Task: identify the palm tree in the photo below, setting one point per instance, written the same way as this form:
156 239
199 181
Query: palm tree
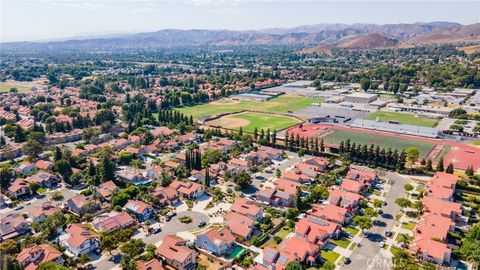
137 164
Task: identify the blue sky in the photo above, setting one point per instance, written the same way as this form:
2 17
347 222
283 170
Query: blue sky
46 19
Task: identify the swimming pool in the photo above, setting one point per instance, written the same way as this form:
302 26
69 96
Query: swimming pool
461 266
237 251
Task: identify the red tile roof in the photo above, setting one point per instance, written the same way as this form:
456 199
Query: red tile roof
245 207
79 233
239 224
48 254
173 248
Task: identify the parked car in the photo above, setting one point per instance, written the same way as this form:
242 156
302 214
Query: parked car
388 233
380 212
384 203
202 224
381 244
18 207
347 261
156 230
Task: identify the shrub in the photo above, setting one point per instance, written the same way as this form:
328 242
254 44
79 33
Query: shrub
185 219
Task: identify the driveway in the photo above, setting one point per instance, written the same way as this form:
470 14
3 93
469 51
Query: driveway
369 255
174 226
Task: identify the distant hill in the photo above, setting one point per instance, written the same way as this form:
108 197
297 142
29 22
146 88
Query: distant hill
322 37
370 41
464 33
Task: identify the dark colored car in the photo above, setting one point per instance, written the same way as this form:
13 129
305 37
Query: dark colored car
347 261
202 224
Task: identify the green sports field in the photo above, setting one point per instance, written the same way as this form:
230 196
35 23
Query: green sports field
6 86
383 141
250 120
282 104
402 118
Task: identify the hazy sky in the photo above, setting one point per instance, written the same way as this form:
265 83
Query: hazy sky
45 19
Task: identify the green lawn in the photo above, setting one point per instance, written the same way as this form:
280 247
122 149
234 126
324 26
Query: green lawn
343 243
282 233
5 87
281 104
266 121
330 256
352 230
402 118
383 141
408 226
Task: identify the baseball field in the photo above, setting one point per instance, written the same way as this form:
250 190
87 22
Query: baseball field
251 120
281 104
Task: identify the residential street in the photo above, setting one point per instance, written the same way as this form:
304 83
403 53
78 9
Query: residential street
107 262
370 255
67 194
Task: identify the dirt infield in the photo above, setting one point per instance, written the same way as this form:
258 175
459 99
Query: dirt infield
229 122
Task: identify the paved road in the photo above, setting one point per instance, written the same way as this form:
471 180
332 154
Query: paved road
368 255
67 194
107 262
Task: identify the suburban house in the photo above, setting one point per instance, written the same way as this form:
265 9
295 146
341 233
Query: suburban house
353 186
442 186
106 189
113 221
441 207
13 225
19 188
140 210
44 179
239 164
303 250
276 259
81 205
310 170
131 176
44 165
331 213
320 162
344 199
361 176
174 252
239 224
30 258
167 195
217 241
431 251
316 230
40 212
275 197
187 190
297 177
26 168
247 208
153 264
78 240
287 185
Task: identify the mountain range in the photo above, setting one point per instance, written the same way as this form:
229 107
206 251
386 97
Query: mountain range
320 36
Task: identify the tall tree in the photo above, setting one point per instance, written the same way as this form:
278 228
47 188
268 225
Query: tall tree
440 167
